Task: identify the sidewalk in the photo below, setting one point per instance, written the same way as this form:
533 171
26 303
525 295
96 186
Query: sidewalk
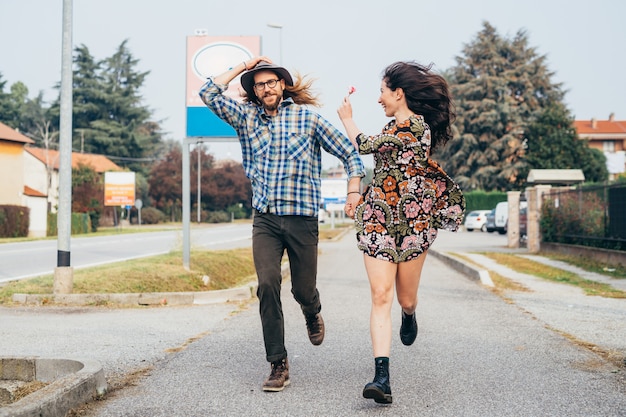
476 354
592 320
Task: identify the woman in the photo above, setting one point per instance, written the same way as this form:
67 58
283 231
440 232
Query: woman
409 199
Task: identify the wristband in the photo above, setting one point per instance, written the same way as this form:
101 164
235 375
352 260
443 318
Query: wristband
245 66
353 192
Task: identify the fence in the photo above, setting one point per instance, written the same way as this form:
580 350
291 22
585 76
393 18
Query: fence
590 216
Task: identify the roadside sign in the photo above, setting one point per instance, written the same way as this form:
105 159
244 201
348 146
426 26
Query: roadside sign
119 188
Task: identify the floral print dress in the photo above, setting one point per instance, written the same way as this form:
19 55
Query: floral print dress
410 197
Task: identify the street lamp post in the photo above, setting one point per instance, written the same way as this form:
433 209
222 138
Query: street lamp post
280 38
64 273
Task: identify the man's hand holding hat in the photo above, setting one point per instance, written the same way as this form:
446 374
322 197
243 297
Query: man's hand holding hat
253 62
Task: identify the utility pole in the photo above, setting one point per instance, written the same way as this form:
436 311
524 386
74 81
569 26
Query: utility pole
63 273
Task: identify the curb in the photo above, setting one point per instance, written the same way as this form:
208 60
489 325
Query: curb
242 293
71 383
79 382
471 271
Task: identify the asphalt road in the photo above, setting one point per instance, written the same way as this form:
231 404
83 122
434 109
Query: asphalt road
34 258
475 355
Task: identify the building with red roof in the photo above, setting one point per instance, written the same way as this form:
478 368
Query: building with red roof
31 175
609 136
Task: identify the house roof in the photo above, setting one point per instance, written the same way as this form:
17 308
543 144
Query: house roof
12 135
601 127
555 176
99 163
31 192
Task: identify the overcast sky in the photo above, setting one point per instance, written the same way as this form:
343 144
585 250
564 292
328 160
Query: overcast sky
337 42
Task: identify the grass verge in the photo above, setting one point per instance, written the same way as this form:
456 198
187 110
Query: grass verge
502 285
209 270
540 270
591 265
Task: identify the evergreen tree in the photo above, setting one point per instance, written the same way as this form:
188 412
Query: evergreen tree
8 112
552 143
28 116
499 85
88 100
129 131
12 104
108 116
594 166
19 98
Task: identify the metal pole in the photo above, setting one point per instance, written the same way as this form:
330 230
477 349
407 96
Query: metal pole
199 209
63 274
186 205
187 142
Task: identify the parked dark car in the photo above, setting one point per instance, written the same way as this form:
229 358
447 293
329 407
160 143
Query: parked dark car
523 223
490 224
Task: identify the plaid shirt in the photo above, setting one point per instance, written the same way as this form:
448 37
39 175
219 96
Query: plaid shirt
282 154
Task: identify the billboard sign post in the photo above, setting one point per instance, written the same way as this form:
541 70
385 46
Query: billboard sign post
119 188
209 56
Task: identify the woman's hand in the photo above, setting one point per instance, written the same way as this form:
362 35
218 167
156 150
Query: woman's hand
345 114
351 202
345 109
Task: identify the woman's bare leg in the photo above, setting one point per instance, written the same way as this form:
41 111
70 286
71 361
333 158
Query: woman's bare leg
408 281
382 276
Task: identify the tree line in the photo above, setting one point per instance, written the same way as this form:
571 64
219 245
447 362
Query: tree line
511 118
109 118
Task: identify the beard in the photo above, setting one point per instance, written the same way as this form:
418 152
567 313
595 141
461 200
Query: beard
271 102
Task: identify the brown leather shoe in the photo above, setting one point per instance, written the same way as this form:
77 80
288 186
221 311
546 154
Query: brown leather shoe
279 377
315 327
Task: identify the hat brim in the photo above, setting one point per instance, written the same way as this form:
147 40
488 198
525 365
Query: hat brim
247 78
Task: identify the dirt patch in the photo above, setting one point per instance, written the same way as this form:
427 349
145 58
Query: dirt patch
13 391
115 385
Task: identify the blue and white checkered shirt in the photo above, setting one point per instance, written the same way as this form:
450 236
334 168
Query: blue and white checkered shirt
282 153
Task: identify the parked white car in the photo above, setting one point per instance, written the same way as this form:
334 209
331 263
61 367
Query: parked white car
477 220
501 219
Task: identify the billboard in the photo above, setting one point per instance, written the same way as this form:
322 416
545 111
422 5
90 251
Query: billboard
119 188
207 56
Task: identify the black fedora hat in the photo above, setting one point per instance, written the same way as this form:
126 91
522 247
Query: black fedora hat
247 78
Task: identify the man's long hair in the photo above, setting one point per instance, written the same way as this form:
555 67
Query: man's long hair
300 92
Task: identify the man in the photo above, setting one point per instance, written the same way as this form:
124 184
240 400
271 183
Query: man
281 141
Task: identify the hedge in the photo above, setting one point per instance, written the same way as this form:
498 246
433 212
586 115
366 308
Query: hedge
14 221
81 224
483 200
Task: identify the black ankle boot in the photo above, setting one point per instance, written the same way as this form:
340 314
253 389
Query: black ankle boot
380 389
408 329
